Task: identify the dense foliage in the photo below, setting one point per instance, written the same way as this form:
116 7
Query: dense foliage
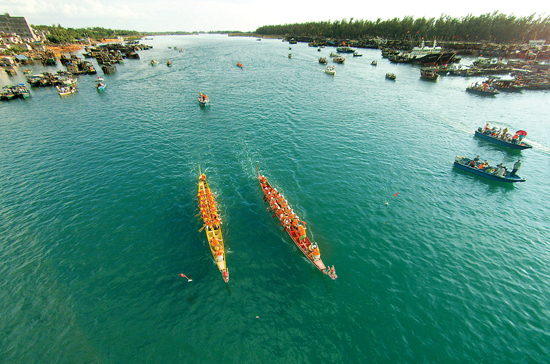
58 34
495 27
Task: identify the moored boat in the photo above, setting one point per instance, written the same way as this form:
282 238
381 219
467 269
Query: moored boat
498 173
429 74
345 50
212 225
502 137
482 89
331 70
65 90
293 226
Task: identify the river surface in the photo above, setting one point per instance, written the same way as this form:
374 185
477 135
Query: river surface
98 214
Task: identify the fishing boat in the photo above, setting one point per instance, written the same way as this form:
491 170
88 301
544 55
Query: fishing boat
429 74
339 59
293 226
503 138
482 89
168 63
65 90
154 62
100 85
498 173
212 225
330 70
323 60
203 99
345 50
391 76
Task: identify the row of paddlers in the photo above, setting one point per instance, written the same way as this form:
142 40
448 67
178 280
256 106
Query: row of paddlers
290 222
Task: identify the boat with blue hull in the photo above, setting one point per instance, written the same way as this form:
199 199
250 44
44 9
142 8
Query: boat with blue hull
498 173
510 142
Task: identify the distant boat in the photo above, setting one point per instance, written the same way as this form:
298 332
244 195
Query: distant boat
290 55
203 99
168 63
330 70
374 63
429 74
65 90
240 65
345 50
100 85
391 76
355 54
482 89
323 60
154 62
339 59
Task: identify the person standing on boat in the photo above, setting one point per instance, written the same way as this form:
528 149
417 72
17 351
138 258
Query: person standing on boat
301 232
516 167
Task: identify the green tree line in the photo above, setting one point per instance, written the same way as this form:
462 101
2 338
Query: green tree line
495 27
58 34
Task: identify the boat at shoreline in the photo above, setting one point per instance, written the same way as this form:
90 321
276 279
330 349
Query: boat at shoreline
498 173
293 226
212 225
66 90
483 89
345 50
503 138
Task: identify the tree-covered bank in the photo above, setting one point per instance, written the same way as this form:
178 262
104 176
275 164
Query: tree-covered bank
58 34
495 27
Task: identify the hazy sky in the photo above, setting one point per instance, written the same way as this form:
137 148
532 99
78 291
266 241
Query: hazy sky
244 15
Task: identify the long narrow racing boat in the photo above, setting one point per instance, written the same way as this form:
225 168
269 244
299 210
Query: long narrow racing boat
212 225
293 226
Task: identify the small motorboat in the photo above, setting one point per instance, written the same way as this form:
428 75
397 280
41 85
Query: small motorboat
203 99
168 63
482 89
503 138
339 59
498 173
374 63
330 70
154 62
290 55
65 90
323 60
240 65
391 76
100 85
355 54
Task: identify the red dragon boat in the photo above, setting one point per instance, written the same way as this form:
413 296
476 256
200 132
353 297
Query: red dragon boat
293 226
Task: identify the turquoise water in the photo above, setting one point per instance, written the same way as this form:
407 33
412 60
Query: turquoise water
98 208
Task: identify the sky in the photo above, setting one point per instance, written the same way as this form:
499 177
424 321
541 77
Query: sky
244 15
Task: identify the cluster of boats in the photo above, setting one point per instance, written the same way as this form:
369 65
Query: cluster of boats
12 92
290 222
50 79
500 172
